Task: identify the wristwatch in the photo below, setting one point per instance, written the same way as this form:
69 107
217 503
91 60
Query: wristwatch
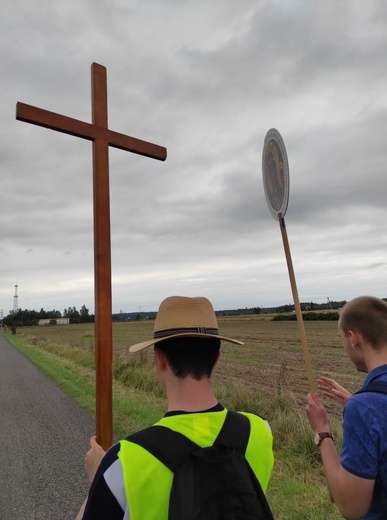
319 437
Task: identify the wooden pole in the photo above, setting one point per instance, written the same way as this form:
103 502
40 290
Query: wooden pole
300 321
102 264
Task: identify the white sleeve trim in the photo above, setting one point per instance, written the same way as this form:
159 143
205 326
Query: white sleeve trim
114 478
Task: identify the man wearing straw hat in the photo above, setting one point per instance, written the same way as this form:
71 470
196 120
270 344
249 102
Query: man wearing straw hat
357 478
131 483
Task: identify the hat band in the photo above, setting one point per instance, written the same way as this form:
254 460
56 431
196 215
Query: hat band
184 330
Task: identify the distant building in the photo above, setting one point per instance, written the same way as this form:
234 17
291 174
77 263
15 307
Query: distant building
59 321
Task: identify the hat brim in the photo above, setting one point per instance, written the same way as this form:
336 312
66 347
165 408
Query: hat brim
145 344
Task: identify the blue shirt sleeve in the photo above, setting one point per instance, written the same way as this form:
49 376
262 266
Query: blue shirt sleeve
361 434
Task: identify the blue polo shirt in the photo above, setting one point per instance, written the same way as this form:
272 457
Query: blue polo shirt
364 450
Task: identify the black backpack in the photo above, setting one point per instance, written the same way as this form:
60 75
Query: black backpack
214 483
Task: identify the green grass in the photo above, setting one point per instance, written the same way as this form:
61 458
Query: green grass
295 494
265 377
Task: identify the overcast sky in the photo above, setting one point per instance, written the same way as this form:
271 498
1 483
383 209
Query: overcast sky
207 80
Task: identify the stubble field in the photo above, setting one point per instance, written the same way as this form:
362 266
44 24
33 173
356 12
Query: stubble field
266 376
270 361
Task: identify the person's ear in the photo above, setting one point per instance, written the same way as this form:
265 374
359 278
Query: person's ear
160 358
354 339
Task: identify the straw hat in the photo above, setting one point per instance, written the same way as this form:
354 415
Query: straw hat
179 316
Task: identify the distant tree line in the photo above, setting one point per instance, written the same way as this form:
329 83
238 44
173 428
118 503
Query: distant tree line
309 310
311 306
305 306
284 312
308 316
82 316
29 318
134 316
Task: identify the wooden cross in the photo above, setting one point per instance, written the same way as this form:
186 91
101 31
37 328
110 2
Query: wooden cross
102 138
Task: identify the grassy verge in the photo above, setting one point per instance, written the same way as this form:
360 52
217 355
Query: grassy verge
297 489
72 370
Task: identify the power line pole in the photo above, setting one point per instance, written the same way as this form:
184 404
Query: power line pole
15 301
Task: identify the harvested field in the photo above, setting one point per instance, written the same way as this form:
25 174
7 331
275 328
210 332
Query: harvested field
271 361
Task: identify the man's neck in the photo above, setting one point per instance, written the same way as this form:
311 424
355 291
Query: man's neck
190 395
376 358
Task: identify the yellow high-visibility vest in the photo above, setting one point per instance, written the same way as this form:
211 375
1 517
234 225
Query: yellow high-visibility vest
148 482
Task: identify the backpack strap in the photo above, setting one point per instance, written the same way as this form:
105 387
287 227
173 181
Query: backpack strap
172 447
376 386
235 431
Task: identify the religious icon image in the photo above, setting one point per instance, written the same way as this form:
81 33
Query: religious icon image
275 176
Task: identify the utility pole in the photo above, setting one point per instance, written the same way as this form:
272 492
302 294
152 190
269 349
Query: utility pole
15 301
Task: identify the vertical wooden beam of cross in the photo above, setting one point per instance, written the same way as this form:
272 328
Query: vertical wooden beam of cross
102 138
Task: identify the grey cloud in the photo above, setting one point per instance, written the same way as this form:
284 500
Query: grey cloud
207 82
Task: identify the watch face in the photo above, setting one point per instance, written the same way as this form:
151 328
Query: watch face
319 437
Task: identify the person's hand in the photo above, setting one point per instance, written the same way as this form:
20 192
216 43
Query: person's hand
316 414
330 388
93 457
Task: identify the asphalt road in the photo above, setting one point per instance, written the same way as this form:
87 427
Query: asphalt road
44 435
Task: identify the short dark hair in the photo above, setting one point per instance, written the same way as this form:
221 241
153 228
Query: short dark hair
191 356
368 316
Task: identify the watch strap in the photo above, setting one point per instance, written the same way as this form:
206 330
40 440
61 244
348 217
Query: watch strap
324 435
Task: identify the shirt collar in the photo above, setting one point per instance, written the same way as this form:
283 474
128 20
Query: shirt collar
376 373
217 408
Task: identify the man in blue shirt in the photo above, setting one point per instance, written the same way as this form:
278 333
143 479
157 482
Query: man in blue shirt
357 478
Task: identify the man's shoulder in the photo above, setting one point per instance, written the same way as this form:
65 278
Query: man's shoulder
365 408
110 457
373 390
257 421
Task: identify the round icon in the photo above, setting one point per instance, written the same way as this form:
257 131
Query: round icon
275 171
